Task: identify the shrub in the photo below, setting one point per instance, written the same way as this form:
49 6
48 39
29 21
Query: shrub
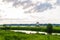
49 28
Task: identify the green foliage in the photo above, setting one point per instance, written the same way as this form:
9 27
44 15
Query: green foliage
9 35
49 28
41 28
5 26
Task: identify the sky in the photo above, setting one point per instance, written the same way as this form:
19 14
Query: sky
29 11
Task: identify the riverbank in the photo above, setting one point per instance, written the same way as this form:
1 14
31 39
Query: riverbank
28 28
10 35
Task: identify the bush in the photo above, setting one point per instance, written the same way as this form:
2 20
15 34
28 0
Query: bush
49 28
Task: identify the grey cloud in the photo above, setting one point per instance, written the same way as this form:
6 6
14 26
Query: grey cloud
41 7
58 2
35 7
28 4
20 3
16 3
9 0
25 4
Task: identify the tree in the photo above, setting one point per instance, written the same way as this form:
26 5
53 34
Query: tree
37 24
5 26
49 28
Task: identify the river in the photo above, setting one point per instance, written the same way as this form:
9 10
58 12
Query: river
33 32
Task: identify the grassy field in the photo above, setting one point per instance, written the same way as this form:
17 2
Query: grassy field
10 35
6 34
41 28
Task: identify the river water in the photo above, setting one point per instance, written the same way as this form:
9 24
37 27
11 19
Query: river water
33 32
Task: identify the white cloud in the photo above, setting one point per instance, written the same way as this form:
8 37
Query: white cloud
47 16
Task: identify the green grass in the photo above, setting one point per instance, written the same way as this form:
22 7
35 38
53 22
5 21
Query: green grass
10 35
41 28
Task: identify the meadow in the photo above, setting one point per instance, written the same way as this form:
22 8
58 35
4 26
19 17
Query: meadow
10 35
56 29
7 34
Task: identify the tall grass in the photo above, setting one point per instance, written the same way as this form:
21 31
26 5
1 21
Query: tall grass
9 35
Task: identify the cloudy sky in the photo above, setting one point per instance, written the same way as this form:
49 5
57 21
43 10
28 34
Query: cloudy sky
30 11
